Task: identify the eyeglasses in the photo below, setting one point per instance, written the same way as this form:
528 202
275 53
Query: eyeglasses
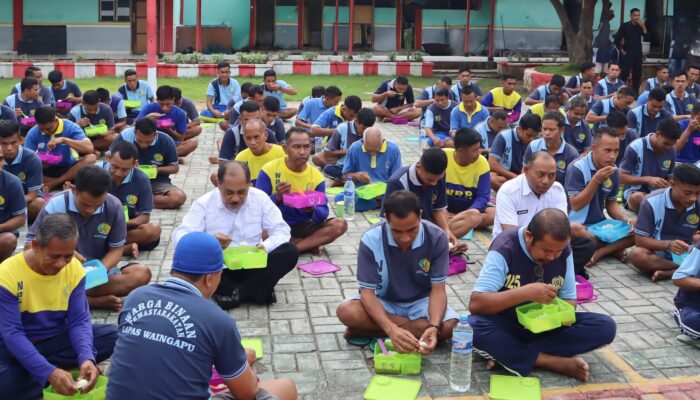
539 273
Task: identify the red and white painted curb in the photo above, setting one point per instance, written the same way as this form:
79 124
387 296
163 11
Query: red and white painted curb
73 70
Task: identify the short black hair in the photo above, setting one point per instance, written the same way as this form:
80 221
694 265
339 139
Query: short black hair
248 106
45 114
255 90
634 10
669 128
660 67
531 121
434 161
466 137
507 76
586 79
126 150
103 94
689 67
55 76
293 130
332 91
165 92
268 73
586 65
226 165
129 72
318 91
353 102
222 64
680 73
29 71
442 92
27 83
91 97
147 126
554 116
366 117
616 119
93 179
446 79
552 98
688 174
550 221
401 203
271 103
177 93
245 87
499 115
557 80
464 69
604 131
626 91
402 80
467 90
657 94
8 128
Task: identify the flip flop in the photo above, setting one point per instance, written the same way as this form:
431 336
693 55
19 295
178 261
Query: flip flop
359 341
374 342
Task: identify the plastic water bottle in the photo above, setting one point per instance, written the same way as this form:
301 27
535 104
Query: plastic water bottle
318 145
422 140
349 200
461 365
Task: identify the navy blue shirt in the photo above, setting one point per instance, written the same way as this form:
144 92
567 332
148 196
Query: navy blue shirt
170 327
658 218
400 98
398 276
438 118
509 150
27 167
160 153
604 107
678 106
638 119
103 116
8 114
630 137
12 201
134 192
566 154
690 153
175 114
689 268
578 135
68 89
487 135
433 198
641 160
604 87
578 176
28 108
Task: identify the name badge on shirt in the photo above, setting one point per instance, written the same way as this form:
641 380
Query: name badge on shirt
522 212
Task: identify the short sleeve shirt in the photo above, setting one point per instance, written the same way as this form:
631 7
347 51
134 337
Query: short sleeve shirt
638 119
509 150
190 109
578 176
566 154
160 153
342 138
27 167
175 114
461 118
463 182
433 198
313 108
69 89
690 153
438 118
678 106
400 98
142 93
379 167
331 118
578 135
134 192
641 160
630 137
604 87
487 135
255 163
398 276
659 219
170 326
37 141
232 91
233 142
104 230
12 201
277 93
103 116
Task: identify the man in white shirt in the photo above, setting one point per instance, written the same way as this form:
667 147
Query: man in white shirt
520 198
237 214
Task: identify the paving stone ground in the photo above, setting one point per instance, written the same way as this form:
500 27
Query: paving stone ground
303 338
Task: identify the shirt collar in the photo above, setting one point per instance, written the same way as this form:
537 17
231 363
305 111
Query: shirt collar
566 119
17 159
338 112
673 94
525 185
413 176
417 242
476 109
59 128
523 245
647 139
589 160
127 178
381 150
74 208
612 83
183 284
669 203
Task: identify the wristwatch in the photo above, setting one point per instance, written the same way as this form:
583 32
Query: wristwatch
434 326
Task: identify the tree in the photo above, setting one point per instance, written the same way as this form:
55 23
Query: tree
579 44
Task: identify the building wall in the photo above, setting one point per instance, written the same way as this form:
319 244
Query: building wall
384 29
328 25
233 13
286 26
5 25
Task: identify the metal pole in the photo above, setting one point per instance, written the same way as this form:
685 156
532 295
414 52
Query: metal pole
492 28
466 28
300 24
198 36
182 12
151 44
351 27
335 27
622 12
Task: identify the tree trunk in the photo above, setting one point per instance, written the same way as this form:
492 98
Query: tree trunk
579 45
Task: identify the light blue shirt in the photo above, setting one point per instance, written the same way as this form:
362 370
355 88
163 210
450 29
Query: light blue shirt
279 94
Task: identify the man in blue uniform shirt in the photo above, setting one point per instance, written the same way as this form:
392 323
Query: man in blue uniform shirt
488 129
220 91
667 224
620 102
64 90
687 300
278 88
136 90
618 122
326 123
533 264
314 107
554 87
93 112
13 211
165 109
608 87
63 139
468 113
402 272
25 102
116 104
552 142
679 102
464 79
686 149
576 131
24 164
332 158
508 149
648 163
45 93
436 120
156 149
643 119
394 99
204 336
574 84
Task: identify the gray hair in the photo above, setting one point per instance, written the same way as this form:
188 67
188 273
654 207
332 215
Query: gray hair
228 168
60 226
577 102
374 132
260 124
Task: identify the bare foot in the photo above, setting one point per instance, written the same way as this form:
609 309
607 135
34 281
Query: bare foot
316 250
661 275
594 259
490 364
181 160
575 367
213 159
347 334
134 250
108 302
621 255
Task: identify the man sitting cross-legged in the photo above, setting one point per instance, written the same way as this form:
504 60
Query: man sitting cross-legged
314 107
100 220
436 120
687 300
165 108
533 264
310 227
194 127
329 120
237 214
278 88
394 99
24 164
63 138
668 222
116 104
402 268
133 189
93 112
468 183
13 210
220 91
46 329
136 90
25 102
592 184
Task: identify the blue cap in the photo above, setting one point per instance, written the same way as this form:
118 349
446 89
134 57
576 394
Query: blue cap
198 253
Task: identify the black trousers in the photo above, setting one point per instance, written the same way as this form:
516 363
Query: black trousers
256 284
582 249
632 62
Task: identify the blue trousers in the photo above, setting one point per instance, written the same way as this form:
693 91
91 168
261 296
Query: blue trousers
17 383
217 107
362 205
502 339
688 318
334 172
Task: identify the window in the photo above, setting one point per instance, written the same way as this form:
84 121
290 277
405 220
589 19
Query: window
115 10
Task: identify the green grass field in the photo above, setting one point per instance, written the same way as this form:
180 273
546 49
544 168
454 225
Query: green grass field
195 88
565 70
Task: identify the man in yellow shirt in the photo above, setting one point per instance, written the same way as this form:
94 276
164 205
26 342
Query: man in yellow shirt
504 98
551 103
310 227
468 182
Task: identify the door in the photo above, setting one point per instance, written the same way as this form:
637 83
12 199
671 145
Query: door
264 24
139 34
312 23
363 32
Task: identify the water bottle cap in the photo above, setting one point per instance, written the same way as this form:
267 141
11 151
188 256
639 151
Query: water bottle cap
347 178
464 318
